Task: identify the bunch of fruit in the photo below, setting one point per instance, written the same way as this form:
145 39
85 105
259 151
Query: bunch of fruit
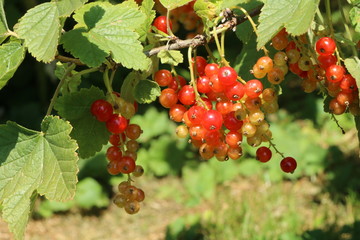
218 110
122 152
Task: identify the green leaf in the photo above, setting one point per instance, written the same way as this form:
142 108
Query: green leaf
112 29
89 133
295 15
3 23
147 9
66 7
146 91
80 47
171 4
353 66
172 57
11 56
205 9
354 16
232 3
40 28
44 161
72 81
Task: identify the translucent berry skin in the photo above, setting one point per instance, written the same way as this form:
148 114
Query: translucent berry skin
203 84
211 69
160 24
186 95
102 110
235 92
196 114
325 46
200 65
253 88
335 73
113 153
327 61
163 77
176 112
231 122
212 120
288 165
348 84
168 98
227 76
263 154
127 165
116 124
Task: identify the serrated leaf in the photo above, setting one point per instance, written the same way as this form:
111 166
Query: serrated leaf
80 47
44 161
353 67
72 81
147 9
66 7
172 57
295 15
3 23
40 28
171 4
11 56
146 91
112 29
123 45
89 133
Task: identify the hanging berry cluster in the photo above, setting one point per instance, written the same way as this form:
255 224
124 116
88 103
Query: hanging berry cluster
122 152
218 110
317 68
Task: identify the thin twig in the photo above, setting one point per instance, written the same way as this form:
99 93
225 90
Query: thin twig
69 59
199 40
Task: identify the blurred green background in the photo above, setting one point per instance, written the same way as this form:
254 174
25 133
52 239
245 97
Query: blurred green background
187 198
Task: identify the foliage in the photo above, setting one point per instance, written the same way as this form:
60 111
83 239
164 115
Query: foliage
114 40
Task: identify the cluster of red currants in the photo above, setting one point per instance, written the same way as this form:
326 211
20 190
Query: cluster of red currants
129 197
124 135
324 69
218 111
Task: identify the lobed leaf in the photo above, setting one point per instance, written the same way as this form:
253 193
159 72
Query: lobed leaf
295 15
172 57
146 91
11 56
147 9
30 161
77 43
40 28
89 133
66 7
354 16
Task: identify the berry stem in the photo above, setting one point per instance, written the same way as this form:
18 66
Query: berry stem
108 84
266 52
168 24
274 146
330 25
218 45
210 53
337 123
58 88
69 59
192 77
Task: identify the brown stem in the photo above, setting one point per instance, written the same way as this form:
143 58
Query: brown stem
199 40
69 59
